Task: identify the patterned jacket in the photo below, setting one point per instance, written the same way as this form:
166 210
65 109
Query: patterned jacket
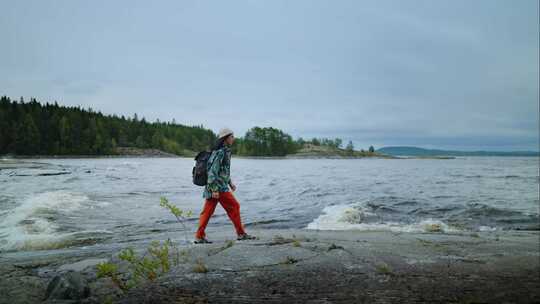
219 171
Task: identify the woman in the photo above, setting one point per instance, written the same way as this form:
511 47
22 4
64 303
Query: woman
217 188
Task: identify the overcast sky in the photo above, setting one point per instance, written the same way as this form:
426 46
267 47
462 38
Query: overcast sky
435 74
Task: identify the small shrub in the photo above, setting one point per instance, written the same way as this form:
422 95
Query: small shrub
110 270
180 214
156 261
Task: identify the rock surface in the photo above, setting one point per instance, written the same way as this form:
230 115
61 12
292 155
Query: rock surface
310 266
68 286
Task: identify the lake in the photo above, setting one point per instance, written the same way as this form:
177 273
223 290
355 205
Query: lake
79 204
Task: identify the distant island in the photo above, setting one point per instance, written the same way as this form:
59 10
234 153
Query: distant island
33 129
421 152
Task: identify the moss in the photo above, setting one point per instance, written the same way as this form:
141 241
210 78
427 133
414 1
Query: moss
383 268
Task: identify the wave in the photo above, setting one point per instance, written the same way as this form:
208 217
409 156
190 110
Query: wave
484 215
397 214
54 241
34 224
347 217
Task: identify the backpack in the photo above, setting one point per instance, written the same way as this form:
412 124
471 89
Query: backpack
200 174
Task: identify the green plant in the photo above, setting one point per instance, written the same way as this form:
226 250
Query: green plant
155 262
180 214
110 270
383 268
108 300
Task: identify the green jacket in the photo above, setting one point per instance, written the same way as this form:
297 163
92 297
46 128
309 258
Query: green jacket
219 171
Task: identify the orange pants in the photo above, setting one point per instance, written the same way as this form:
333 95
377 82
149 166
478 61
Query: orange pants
231 206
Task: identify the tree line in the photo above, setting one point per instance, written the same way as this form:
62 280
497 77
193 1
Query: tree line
32 128
274 142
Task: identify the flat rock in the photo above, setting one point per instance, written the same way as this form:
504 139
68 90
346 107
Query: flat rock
80 265
241 257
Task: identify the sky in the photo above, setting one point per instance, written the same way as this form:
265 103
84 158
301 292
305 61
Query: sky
436 74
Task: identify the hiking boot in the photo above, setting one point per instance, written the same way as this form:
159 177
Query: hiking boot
246 236
202 241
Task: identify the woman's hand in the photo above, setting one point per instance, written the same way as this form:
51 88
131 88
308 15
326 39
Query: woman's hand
233 186
215 195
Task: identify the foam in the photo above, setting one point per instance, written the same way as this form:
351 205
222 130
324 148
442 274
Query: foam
347 217
32 224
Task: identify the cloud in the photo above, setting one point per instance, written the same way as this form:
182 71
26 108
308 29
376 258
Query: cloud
450 73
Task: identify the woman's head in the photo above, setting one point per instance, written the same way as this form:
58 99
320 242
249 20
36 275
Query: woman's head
225 136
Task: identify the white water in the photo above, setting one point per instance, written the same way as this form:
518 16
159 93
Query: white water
345 217
34 223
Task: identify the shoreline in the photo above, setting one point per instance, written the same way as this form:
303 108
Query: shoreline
291 156
310 266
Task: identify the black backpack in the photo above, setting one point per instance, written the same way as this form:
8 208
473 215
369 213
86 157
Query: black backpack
200 175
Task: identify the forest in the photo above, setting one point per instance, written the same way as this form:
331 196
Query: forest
33 128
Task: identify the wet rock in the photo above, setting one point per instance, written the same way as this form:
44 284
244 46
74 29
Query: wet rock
53 173
69 286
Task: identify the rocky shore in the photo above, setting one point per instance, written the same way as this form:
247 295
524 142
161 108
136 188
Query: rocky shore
300 266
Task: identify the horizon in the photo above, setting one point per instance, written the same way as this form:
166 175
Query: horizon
448 75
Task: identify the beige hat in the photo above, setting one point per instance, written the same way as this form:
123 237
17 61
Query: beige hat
224 132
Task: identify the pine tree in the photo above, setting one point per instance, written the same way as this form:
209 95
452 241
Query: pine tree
65 135
29 137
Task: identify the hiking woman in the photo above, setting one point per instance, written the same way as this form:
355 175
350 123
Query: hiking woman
217 188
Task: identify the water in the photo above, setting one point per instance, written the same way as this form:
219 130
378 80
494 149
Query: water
83 203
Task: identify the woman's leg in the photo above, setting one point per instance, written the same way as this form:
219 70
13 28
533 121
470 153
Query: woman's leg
232 207
208 210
